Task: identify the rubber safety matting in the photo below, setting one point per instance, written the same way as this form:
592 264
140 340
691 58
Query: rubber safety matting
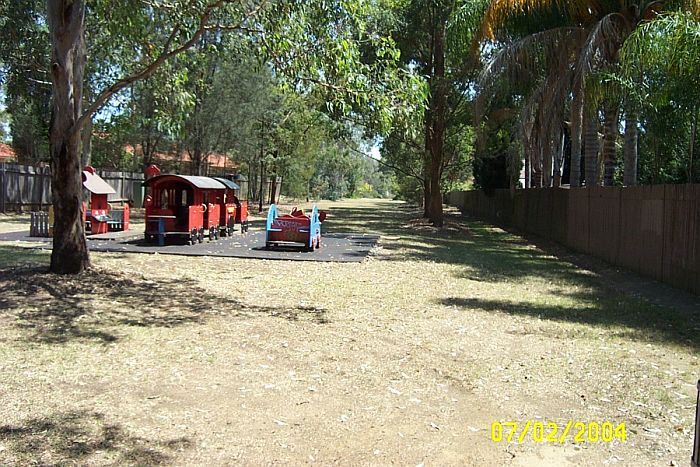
335 247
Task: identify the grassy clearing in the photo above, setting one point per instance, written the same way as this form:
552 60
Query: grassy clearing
405 358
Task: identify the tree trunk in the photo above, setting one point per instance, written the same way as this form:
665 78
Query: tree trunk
547 157
426 160
273 188
66 19
536 166
631 132
591 149
576 130
439 118
609 139
428 130
527 167
558 159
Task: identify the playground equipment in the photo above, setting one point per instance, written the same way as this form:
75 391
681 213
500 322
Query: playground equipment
192 207
39 224
294 228
233 211
101 217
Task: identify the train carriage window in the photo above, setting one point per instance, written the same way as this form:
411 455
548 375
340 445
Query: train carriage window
183 197
164 199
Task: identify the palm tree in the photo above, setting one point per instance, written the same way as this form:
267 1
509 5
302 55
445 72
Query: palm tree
667 47
538 67
607 24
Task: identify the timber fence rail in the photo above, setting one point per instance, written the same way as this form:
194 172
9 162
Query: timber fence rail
26 188
652 230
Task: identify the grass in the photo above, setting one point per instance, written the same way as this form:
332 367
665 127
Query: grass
12 256
404 358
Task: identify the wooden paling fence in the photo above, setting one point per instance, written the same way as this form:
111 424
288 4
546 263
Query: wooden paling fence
652 230
24 187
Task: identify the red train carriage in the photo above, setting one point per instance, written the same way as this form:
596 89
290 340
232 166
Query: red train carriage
183 206
233 211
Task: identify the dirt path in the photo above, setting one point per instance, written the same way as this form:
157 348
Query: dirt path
404 359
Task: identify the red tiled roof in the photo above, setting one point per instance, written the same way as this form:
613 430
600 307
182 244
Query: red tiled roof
6 152
213 160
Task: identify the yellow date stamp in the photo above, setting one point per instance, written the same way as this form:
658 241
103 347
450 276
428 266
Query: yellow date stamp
552 432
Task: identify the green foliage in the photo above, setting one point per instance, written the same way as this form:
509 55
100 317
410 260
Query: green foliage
660 72
24 72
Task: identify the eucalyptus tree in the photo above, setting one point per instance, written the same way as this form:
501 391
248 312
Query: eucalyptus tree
435 38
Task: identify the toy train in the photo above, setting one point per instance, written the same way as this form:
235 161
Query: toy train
192 207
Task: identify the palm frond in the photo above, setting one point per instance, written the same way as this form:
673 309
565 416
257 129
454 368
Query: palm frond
500 11
529 58
602 45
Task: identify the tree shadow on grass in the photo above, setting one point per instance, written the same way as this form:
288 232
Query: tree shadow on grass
640 321
486 253
81 437
93 305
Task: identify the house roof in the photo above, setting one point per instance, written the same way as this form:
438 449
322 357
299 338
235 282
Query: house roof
6 152
213 160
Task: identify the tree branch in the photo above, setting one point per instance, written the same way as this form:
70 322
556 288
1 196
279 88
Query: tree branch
386 164
166 54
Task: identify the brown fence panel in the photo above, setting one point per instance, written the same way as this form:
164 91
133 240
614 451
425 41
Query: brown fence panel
559 222
540 212
468 202
604 222
519 215
456 199
504 208
696 235
489 203
482 205
654 230
534 205
630 228
681 257
29 187
651 220
578 220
